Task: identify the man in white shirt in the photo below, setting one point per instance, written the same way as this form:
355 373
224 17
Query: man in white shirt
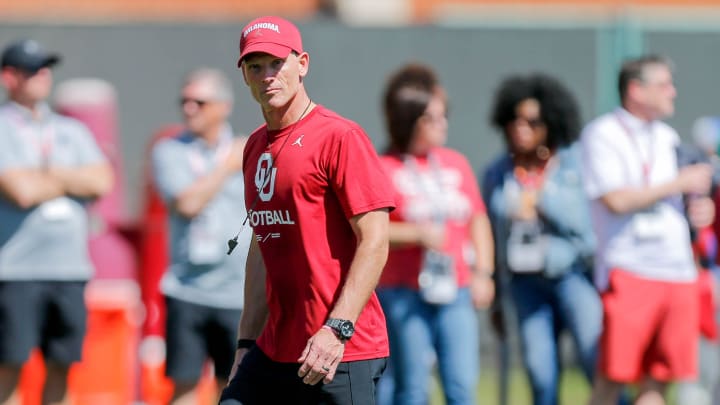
645 268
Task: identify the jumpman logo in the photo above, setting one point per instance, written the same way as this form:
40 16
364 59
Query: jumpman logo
298 141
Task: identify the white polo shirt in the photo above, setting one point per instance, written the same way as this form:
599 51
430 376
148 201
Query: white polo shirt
619 151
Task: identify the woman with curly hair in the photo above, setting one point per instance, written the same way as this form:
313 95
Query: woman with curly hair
430 289
541 226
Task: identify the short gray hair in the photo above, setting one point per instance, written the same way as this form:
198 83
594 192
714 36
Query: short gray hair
222 86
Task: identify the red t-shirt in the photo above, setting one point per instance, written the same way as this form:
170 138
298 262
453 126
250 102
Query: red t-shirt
326 173
424 188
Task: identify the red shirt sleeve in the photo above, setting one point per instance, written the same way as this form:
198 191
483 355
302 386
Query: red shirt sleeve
356 175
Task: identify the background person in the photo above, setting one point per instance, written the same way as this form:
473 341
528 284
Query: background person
632 177
540 219
50 167
198 173
429 289
703 149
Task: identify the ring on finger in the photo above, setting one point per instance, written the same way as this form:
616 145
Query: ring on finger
326 368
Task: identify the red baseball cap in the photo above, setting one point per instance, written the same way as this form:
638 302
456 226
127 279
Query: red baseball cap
274 35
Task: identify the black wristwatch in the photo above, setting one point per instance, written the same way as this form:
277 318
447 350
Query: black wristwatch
343 328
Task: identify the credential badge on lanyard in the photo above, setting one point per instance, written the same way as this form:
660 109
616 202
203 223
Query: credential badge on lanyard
205 231
646 224
527 244
42 136
437 279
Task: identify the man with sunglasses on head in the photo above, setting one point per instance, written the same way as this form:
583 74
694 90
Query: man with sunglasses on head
50 167
198 174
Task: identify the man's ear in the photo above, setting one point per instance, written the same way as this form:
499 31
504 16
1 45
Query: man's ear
634 89
9 81
242 68
304 62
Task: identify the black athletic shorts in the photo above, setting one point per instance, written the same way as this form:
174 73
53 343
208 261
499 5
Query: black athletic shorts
195 333
261 381
50 315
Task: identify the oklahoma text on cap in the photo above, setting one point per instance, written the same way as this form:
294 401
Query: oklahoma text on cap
272 35
28 55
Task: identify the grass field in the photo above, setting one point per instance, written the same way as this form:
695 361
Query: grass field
573 389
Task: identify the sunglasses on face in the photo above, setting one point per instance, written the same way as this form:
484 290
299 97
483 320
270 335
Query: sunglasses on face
198 102
533 123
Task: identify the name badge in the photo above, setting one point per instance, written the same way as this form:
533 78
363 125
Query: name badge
438 284
648 224
526 247
58 209
205 247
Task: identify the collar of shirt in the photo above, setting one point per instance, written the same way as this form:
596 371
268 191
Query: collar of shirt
635 124
202 156
224 137
27 115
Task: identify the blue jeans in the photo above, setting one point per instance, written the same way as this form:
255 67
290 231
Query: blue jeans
545 307
416 330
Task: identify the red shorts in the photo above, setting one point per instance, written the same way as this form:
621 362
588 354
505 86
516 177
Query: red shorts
650 328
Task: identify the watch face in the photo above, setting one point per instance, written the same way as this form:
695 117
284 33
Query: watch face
347 330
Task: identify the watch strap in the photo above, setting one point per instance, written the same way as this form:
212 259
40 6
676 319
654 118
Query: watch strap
339 326
245 343
334 323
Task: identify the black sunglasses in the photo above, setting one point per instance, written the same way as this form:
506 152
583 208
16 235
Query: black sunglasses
200 103
533 123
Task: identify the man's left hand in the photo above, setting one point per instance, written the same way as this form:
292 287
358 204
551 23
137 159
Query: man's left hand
482 290
701 211
322 354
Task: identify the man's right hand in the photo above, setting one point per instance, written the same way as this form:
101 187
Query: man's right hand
234 159
239 354
695 179
431 236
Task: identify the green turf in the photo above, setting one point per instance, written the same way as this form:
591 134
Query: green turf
574 390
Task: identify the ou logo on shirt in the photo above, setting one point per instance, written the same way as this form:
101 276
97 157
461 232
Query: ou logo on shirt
265 177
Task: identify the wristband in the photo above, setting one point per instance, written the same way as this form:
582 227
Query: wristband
245 343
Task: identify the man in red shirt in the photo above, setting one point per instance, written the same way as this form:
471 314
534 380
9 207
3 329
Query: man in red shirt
312 330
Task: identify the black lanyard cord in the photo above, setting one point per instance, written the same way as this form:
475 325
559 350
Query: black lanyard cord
232 243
